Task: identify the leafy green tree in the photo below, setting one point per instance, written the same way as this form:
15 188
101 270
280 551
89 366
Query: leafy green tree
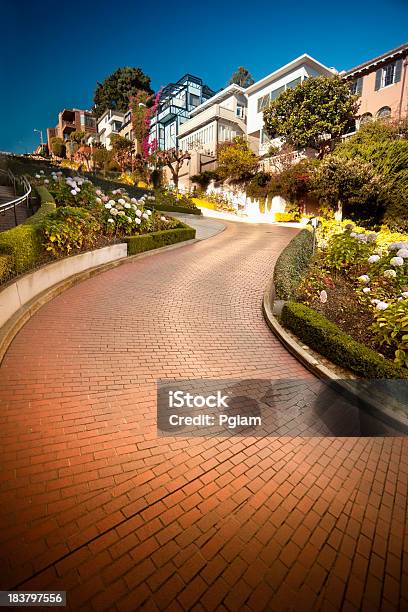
241 77
313 113
77 136
123 151
101 158
385 146
117 89
236 161
204 178
58 147
351 186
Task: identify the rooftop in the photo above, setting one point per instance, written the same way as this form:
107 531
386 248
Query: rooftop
398 51
218 97
296 63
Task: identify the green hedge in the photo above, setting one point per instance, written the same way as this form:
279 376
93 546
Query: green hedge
6 267
155 240
327 339
47 206
292 263
179 209
23 245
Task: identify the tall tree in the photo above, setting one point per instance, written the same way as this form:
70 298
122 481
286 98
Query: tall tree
117 89
242 77
312 114
173 159
236 161
123 151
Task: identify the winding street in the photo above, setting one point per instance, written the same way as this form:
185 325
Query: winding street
95 503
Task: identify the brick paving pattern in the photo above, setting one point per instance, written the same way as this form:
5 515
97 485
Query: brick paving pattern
94 503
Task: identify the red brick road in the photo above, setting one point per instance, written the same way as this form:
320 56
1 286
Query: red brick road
92 502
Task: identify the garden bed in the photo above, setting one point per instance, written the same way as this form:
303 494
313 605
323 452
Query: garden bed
349 301
75 217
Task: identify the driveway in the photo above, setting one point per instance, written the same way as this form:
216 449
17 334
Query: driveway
93 502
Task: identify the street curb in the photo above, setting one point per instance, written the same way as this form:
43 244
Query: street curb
374 406
11 328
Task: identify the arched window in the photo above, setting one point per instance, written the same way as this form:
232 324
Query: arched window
366 118
384 112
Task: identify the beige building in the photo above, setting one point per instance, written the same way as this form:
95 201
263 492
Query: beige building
219 119
382 84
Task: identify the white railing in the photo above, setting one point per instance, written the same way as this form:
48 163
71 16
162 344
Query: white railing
16 182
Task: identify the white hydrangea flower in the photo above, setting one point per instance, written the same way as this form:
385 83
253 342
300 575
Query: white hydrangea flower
73 191
112 202
139 213
375 301
373 258
127 205
390 274
108 205
145 216
396 261
405 294
163 218
402 253
323 296
364 279
121 201
41 171
46 181
99 200
366 290
382 306
110 220
129 219
98 192
138 221
148 212
55 177
133 200
114 212
38 176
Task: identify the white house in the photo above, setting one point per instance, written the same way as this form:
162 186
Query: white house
108 124
219 119
261 93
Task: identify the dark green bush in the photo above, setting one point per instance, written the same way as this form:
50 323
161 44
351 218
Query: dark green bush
292 263
179 209
23 244
47 206
326 338
155 240
6 267
69 229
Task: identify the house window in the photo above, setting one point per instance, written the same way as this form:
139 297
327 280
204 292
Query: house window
277 92
357 86
388 74
366 118
384 112
240 110
194 100
263 102
293 83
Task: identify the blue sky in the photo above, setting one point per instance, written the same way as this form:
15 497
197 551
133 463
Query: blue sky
52 54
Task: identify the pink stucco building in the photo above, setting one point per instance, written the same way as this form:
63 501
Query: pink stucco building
383 85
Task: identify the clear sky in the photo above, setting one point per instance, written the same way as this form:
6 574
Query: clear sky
53 53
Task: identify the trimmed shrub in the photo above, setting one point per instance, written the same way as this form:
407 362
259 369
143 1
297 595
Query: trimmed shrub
286 217
292 263
47 206
179 209
155 240
326 338
6 267
23 244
